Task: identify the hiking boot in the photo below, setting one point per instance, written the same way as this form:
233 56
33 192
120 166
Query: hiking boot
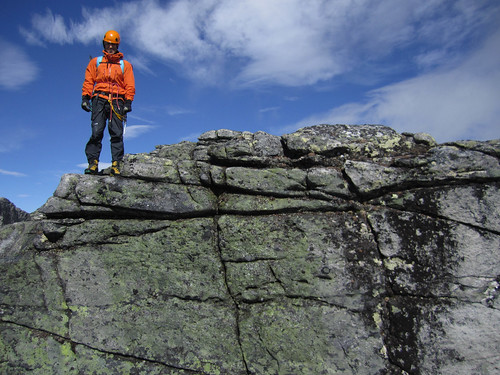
93 167
115 170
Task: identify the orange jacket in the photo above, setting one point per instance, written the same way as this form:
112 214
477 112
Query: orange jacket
109 78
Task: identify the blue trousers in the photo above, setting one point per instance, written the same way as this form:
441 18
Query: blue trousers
102 112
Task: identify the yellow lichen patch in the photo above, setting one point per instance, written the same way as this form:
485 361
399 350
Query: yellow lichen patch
393 263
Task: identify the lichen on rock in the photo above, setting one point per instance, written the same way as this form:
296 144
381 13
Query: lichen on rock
336 249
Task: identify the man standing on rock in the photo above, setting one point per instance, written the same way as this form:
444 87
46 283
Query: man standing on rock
108 91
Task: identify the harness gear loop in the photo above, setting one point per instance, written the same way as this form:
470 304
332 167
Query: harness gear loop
116 97
110 101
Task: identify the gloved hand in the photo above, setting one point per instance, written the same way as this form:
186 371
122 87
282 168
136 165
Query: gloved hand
127 107
86 106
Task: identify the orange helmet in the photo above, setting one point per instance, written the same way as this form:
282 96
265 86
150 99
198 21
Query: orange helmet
112 36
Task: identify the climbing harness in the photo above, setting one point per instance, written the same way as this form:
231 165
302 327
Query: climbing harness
110 101
111 95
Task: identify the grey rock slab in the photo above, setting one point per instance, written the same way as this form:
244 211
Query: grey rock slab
477 204
442 336
491 147
425 138
301 337
330 257
126 260
355 140
370 178
437 258
259 204
220 134
154 168
328 180
247 144
128 287
250 253
440 164
40 353
445 162
184 334
64 207
30 291
139 195
273 181
469 338
148 167
180 151
67 185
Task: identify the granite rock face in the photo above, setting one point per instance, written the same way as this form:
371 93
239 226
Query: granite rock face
332 250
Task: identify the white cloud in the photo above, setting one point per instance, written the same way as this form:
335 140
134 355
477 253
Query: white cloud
140 63
280 41
268 109
460 102
141 119
176 111
285 42
177 32
53 27
14 137
16 68
134 131
11 173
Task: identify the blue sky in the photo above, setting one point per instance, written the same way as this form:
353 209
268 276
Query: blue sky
272 65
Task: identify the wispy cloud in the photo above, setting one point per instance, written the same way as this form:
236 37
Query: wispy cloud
51 27
268 109
254 42
16 68
11 173
135 117
454 102
14 137
134 131
176 111
141 63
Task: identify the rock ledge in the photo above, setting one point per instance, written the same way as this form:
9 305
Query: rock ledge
336 249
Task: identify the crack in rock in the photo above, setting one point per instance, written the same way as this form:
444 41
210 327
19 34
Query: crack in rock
334 249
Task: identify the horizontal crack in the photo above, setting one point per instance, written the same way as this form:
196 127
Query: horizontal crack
441 217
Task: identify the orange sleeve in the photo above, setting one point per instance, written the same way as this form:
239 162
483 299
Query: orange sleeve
128 80
90 77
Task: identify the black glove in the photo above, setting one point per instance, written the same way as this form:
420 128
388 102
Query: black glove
86 106
127 107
